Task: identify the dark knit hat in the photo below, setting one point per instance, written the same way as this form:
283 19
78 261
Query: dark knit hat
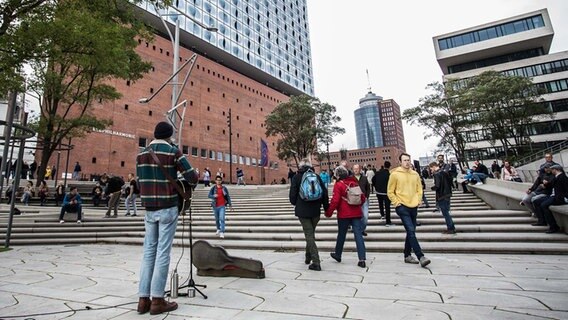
163 130
556 167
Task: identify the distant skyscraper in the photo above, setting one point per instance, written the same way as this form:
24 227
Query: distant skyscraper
391 123
368 122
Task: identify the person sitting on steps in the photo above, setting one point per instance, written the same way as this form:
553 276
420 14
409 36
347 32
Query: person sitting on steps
71 203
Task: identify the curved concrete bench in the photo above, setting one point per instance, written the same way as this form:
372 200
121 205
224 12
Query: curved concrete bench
560 214
499 194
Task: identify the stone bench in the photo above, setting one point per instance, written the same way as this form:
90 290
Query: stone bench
499 194
560 214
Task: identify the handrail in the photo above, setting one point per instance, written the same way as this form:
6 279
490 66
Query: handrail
540 154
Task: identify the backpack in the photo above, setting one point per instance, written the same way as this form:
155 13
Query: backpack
353 195
310 187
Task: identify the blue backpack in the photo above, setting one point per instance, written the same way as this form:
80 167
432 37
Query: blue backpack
310 187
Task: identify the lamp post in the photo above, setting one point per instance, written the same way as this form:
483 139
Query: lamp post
229 124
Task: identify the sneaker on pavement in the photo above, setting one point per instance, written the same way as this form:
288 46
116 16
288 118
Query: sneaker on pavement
388 224
382 218
479 183
335 257
134 214
221 235
411 259
79 222
217 233
127 214
315 267
61 221
424 261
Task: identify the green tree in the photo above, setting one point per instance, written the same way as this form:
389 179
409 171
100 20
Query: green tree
505 107
442 113
79 49
299 124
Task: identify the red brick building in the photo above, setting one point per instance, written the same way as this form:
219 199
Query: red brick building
211 90
375 157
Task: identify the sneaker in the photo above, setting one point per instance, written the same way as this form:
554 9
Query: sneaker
522 203
382 218
315 267
134 214
61 221
79 222
435 210
424 261
335 257
115 216
364 233
479 184
222 235
388 224
127 214
411 259
217 233
361 264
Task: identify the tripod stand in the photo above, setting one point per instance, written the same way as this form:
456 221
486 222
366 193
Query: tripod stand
191 285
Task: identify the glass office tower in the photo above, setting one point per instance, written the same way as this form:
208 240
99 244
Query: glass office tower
267 40
368 122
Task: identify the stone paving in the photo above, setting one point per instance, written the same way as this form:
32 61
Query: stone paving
89 281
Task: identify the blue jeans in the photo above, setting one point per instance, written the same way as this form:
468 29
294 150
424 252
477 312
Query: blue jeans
444 206
408 217
160 228
365 216
479 177
342 226
425 200
548 216
219 213
131 202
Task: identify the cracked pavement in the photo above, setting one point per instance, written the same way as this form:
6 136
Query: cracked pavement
101 282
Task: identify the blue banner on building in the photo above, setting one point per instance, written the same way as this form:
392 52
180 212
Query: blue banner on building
263 153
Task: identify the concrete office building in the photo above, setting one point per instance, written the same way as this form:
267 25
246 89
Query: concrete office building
258 58
516 46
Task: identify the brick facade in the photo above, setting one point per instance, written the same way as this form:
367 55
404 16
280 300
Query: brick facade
211 90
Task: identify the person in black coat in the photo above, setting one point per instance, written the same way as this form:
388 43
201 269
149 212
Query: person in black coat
443 187
380 182
308 212
560 197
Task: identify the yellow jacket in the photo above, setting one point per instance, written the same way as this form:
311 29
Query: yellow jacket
404 188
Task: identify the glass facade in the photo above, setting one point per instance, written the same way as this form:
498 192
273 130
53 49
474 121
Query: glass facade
492 32
270 35
368 123
515 56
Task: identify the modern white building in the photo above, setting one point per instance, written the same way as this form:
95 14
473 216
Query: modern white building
517 46
18 117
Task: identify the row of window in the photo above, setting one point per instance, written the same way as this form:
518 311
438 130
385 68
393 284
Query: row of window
547 127
498 31
554 106
493 153
510 57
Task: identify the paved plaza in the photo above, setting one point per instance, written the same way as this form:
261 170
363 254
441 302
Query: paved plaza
100 282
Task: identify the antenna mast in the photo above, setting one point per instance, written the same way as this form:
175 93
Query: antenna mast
368 80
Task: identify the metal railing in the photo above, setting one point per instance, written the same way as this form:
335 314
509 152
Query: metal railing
540 154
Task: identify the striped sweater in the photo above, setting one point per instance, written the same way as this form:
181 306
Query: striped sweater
155 190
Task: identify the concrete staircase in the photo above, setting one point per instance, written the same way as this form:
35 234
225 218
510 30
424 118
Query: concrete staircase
263 219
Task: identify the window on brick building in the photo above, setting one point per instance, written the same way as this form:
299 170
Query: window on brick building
208 108
125 107
208 128
211 154
122 164
185 149
142 142
150 113
128 82
194 151
151 90
191 123
208 89
94 160
203 153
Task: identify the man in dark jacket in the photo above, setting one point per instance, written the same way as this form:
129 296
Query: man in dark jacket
366 188
380 183
308 212
443 188
541 187
560 197
113 190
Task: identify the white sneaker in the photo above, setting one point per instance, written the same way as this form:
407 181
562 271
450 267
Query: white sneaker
79 222
221 235
217 233
479 183
61 221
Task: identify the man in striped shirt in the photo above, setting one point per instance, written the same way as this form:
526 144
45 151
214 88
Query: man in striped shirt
160 198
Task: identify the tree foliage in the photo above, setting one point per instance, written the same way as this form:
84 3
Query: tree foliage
441 113
504 107
75 49
300 124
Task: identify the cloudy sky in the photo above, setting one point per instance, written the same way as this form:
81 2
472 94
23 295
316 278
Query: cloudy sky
393 40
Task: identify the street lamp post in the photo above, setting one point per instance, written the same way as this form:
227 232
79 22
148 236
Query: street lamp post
229 124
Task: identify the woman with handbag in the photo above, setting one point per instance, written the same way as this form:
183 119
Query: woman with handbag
509 173
347 214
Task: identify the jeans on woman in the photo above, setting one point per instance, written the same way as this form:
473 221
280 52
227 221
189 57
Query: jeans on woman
365 217
219 213
160 226
342 226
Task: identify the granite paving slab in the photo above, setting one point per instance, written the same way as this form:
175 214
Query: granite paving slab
466 312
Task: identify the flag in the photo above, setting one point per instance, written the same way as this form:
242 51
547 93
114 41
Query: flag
263 153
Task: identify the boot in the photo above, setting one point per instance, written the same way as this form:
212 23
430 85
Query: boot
144 305
159 305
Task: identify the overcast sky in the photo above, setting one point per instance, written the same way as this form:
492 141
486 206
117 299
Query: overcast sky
393 40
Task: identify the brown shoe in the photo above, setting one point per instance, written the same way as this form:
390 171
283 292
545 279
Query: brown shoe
144 305
159 305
